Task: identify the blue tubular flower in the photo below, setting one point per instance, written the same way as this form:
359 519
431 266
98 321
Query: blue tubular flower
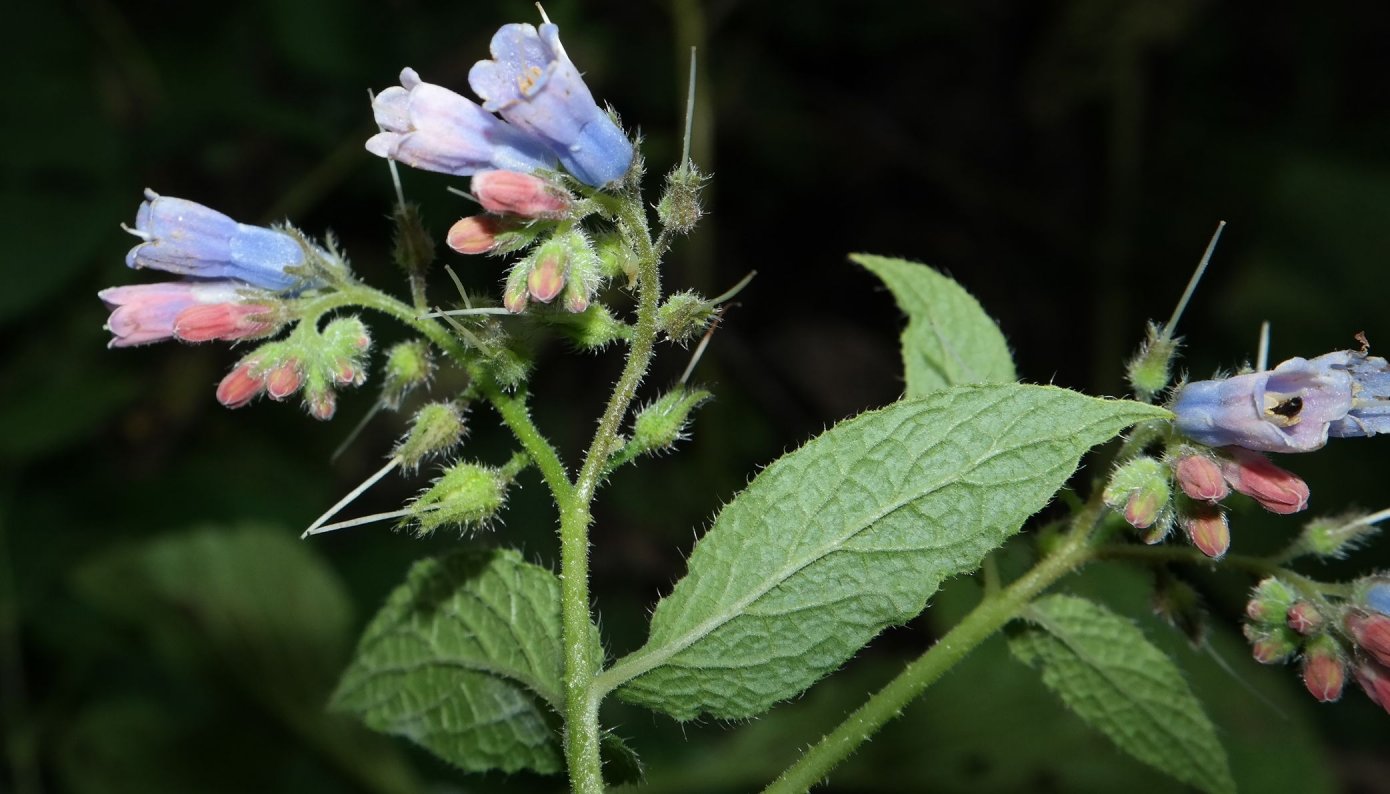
179 236
430 127
533 84
1291 408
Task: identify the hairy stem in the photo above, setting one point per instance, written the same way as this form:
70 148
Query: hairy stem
992 613
582 735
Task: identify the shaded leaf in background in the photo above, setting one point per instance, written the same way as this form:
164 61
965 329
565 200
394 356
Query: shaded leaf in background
253 605
852 533
949 340
1105 670
465 659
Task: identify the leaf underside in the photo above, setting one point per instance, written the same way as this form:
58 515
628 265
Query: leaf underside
852 533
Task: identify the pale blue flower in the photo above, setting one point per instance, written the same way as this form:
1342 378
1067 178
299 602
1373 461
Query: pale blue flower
430 127
1294 407
180 236
533 84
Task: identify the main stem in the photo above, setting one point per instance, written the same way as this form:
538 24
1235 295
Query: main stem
991 615
582 735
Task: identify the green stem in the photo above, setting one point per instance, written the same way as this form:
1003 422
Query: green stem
991 615
582 735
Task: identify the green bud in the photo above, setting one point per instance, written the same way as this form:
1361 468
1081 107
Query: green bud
408 365
591 329
1335 536
1140 489
679 209
437 427
466 495
684 316
615 258
414 246
346 337
1269 602
1271 644
660 425
1150 370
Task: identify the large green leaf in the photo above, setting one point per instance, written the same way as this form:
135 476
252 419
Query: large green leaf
949 340
466 660
1106 671
851 534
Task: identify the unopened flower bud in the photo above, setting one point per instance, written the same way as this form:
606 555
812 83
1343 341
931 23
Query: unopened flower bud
1305 618
519 194
1206 526
241 385
1371 633
437 428
466 495
1270 602
1374 679
1140 488
514 296
1271 644
547 276
1200 478
1150 369
283 380
1277 490
1324 669
660 425
476 234
408 365
225 321
322 404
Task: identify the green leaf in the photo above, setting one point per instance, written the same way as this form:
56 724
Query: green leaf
466 660
1106 671
852 533
949 340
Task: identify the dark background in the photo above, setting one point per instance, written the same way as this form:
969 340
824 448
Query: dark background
1065 161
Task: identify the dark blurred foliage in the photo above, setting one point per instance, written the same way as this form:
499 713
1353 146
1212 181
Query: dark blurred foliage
1066 161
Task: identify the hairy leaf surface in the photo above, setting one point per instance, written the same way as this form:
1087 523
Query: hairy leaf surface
850 534
949 340
1106 671
463 660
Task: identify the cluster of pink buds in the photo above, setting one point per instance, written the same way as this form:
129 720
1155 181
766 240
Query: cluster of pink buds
1143 490
1283 624
318 363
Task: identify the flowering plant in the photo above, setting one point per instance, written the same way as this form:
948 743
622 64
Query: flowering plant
495 663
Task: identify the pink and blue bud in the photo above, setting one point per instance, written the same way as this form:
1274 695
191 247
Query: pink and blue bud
193 311
1294 407
429 127
532 83
180 236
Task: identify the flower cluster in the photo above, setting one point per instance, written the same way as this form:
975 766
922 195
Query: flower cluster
1143 490
1326 636
548 121
232 274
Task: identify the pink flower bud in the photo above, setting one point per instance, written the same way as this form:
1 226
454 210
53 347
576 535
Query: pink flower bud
1200 478
547 279
284 380
1141 509
515 193
345 373
240 386
1324 674
1277 490
1375 680
1371 631
515 301
1304 618
476 234
322 405
225 321
1206 527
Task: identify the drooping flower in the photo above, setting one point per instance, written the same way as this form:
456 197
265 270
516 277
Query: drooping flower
194 311
532 83
1294 407
430 127
180 236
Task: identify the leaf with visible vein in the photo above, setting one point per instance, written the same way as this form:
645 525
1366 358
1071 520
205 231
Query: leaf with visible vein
1106 671
949 340
466 660
851 534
